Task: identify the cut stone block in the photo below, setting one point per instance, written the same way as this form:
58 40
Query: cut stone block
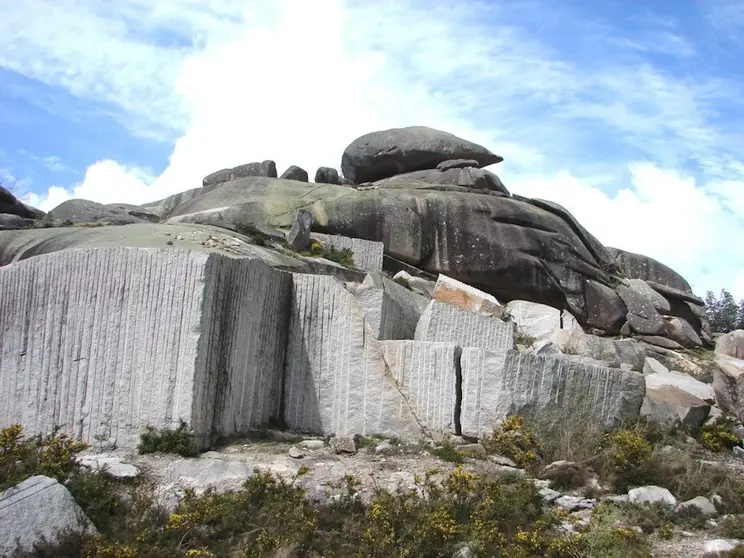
336 379
367 253
496 385
426 374
38 507
612 351
445 323
464 296
539 321
107 341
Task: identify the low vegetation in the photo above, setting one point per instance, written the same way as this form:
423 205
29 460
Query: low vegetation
179 441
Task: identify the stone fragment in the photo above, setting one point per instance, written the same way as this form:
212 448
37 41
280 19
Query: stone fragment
731 344
298 237
418 285
575 503
498 384
669 403
613 352
367 254
464 296
327 175
701 503
295 453
389 152
728 384
446 323
343 444
549 495
650 494
660 303
216 178
501 460
604 307
391 310
642 316
538 321
141 337
295 173
683 382
658 341
682 332
37 508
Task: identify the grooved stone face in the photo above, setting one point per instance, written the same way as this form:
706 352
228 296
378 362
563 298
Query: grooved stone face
107 341
496 385
337 380
367 253
446 323
39 506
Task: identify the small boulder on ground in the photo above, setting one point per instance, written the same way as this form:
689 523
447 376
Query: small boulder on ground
650 494
343 444
728 384
38 507
700 503
295 173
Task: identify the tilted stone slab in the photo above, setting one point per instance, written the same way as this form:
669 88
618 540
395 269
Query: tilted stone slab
446 323
465 296
496 385
367 253
106 341
337 381
35 508
426 374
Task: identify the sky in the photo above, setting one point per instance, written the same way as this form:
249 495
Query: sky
630 114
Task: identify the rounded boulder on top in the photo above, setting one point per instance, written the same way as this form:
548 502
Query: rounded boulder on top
386 153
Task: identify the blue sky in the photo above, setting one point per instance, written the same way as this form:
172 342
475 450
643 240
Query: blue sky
630 114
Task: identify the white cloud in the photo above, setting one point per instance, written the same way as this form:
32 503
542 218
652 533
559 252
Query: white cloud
296 81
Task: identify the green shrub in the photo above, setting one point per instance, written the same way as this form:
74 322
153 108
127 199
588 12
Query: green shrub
179 441
514 439
447 451
345 256
623 456
52 455
733 527
718 436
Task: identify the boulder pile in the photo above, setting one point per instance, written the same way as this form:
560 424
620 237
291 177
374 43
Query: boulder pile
256 298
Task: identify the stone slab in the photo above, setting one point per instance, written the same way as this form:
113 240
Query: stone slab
367 253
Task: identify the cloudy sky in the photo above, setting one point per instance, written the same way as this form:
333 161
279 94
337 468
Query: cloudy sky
629 113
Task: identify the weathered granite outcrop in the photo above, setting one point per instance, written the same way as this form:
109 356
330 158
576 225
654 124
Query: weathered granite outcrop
389 152
86 211
615 352
496 385
264 168
467 177
107 341
728 384
731 344
35 509
294 172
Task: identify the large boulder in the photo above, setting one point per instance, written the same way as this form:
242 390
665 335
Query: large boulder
399 150
263 168
637 266
615 353
327 175
295 173
38 508
672 396
642 316
731 344
79 211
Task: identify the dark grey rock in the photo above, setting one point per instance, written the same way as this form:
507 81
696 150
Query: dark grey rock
215 178
682 332
299 235
604 307
295 173
11 205
457 164
327 175
642 316
659 341
12 221
386 153
264 168
471 178
637 266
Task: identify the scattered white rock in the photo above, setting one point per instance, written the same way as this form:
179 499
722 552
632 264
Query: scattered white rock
295 453
343 444
549 495
650 494
501 460
38 507
705 506
653 366
384 447
114 466
738 451
464 552
418 285
312 444
574 503
717 547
